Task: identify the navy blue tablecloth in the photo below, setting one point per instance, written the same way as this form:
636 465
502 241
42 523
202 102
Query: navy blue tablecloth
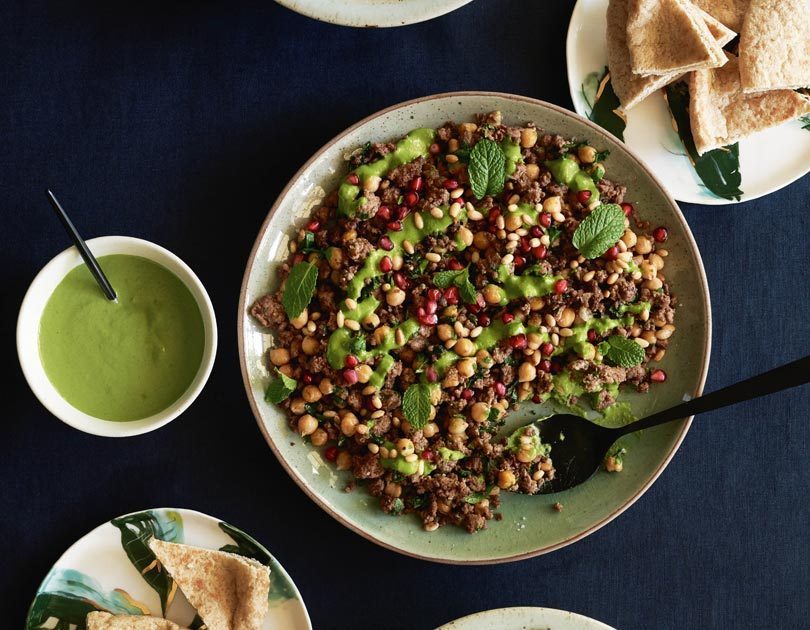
180 122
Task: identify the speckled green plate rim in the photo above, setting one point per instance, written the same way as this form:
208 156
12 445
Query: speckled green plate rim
693 252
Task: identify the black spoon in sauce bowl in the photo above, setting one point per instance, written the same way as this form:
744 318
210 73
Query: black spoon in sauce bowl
85 252
579 447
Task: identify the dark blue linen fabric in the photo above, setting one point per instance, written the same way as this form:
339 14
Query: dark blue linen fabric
180 122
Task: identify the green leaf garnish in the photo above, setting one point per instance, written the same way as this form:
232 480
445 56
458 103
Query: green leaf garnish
280 388
606 107
624 352
461 279
299 288
444 279
805 120
599 231
416 405
487 168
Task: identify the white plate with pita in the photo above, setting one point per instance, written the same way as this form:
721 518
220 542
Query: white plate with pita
373 13
112 569
769 160
525 618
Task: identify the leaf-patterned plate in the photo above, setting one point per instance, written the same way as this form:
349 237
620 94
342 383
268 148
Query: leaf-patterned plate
768 160
113 569
525 618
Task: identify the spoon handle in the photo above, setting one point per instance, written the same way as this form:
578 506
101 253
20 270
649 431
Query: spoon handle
783 377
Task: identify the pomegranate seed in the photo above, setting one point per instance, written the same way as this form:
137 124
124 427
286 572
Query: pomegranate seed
386 244
384 213
455 265
298 258
427 454
537 399
545 365
473 308
353 179
519 261
401 281
421 312
415 184
536 232
451 295
479 301
592 336
612 253
493 215
627 208
547 349
428 320
349 375
518 342
450 184
500 388
394 226
411 199
467 394
435 149
403 212
659 376
560 287
331 453
307 378
351 361
540 252
386 265
313 225
434 295
660 234
525 245
431 374
583 196
484 320
507 318
431 307
545 219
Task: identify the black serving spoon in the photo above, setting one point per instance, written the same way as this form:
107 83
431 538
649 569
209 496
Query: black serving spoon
578 446
87 255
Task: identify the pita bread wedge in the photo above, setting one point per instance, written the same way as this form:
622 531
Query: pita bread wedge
721 114
667 36
775 46
229 591
106 621
721 33
729 12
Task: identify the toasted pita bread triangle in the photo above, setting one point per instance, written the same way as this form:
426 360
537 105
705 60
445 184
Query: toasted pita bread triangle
721 33
668 36
775 46
721 114
229 591
729 12
106 621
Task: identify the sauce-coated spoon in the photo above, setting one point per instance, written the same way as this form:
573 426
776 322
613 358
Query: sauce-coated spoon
578 446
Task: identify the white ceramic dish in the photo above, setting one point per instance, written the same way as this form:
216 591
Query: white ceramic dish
525 618
96 572
373 13
769 160
28 335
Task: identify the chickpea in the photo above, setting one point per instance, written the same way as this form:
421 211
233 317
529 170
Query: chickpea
457 426
653 284
279 356
310 346
479 411
364 373
506 479
372 183
467 128
430 429
464 348
301 320
297 406
287 370
657 261
566 318
307 425
536 303
587 351
445 332
466 367
451 379
481 240
380 334
326 386
528 137
319 437
526 372
483 358
643 245
533 171
344 460
648 270
613 464
393 489
395 297
586 154
513 221
311 394
493 294
335 257
370 322
348 425
552 205
435 396
629 238
465 235
524 456
405 446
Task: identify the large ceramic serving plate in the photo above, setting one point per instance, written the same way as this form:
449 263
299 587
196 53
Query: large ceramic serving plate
530 526
373 13
112 569
769 160
525 618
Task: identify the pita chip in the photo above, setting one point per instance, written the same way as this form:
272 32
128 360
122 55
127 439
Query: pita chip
721 114
721 33
729 12
106 621
229 591
775 46
666 36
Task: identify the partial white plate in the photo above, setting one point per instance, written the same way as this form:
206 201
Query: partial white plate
769 160
373 13
525 619
96 574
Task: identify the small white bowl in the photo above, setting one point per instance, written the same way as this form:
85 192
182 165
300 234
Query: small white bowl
37 297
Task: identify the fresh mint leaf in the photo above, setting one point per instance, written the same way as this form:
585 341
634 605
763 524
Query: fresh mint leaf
599 231
280 388
624 352
487 168
416 405
460 279
805 120
444 279
601 156
299 288
553 234
467 291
